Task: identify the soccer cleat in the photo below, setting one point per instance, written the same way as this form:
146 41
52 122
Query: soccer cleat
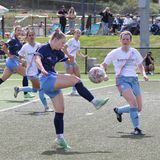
100 102
28 95
74 93
16 91
61 142
48 109
119 115
137 131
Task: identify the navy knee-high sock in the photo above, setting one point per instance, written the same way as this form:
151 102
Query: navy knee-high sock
83 91
58 123
25 82
1 81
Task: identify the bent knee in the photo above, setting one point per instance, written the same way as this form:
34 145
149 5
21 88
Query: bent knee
75 79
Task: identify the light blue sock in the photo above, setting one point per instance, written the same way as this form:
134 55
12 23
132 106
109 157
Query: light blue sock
124 109
134 116
43 98
27 89
74 89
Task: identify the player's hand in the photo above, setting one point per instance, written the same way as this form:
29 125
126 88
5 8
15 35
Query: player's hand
145 77
106 78
4 46
71 58
44 72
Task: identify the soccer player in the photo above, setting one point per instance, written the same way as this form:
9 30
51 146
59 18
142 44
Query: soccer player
13 65
52 82
27 53
125 60
72 47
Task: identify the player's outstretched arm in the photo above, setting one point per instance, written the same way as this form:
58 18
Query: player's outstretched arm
142 70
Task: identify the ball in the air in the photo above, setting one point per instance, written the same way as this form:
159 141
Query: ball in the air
96 74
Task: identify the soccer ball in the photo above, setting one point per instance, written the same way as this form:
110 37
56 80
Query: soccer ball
96 74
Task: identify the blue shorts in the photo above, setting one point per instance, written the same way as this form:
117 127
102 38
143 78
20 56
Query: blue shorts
132 83
70 65
47 83
12 63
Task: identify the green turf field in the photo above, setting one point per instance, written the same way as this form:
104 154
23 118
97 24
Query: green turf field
27 133
7 99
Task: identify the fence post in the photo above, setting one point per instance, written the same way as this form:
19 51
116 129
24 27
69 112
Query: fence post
86 61
2 24
45 26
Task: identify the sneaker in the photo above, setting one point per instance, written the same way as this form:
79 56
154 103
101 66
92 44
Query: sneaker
61 142
119 115
16 91
28 95
49 110
100 102
74 93
137 131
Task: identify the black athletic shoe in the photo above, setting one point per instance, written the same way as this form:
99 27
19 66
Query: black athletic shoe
119 115
137 131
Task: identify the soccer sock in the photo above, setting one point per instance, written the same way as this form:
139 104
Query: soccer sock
25 82
27 89
74 89
58 123
60 136
83 91
134 116
124 109
43 98
1 81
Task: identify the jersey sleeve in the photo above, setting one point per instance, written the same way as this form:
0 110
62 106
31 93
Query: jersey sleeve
22 51
109 58
69 42
62 57
12 46
40 51
79 48
139 58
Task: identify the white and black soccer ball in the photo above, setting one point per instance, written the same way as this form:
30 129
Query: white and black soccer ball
96 74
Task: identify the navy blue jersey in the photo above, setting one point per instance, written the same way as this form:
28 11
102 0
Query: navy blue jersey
14 45
50 57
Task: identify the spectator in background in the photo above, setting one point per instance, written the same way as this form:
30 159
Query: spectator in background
117 23
106 14
149 63
88 24
71 18
62 14
126 23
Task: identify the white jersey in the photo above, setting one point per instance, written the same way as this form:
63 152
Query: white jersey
118 58
28 51
73 47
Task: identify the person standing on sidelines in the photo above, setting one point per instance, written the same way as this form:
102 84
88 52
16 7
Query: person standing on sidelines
52 82
71 48
27 53
13 65
125 60
71 19
62 14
